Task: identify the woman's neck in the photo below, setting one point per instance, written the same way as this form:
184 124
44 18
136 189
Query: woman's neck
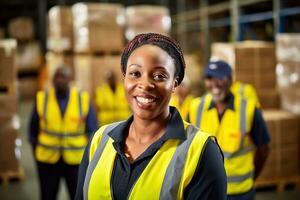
145 131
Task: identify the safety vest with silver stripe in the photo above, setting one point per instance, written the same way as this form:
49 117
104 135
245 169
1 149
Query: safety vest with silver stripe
233 137
165 177
61 135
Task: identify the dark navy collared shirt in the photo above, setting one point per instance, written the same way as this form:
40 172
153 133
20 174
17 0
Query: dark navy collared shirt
34 126
209 181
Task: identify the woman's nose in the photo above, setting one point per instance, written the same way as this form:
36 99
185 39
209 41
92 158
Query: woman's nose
146 83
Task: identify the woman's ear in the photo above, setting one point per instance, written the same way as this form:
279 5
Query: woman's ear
175 84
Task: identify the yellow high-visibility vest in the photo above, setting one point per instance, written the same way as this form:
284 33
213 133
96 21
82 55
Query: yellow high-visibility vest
61 135
233 135
112 106
184 107
245 90
165 177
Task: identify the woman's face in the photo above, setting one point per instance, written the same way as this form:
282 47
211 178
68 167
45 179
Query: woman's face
149 82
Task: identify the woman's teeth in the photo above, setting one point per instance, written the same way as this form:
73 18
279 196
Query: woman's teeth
144 100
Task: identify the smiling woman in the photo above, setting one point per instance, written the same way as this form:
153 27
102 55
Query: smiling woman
154 154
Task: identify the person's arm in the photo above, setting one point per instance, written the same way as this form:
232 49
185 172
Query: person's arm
209 181
82 172
34 127
91 121
261 138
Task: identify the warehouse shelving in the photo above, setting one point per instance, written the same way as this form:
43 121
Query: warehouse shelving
235 20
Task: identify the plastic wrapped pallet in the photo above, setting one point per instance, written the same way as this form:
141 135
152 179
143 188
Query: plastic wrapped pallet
253 62
21 28
283 163
28 56
60 37
146 18
288 70
98 27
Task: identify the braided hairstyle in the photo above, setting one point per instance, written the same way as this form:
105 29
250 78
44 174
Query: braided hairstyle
164 42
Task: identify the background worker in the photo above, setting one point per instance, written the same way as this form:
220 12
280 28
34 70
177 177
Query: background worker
62 121
154 154
239 127
246 90
110 101
182 98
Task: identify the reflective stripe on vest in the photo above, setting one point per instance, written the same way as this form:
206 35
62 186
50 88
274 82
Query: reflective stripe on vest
172 179
200 111
242 126
238 179
62 135
59 148
175 169
96 158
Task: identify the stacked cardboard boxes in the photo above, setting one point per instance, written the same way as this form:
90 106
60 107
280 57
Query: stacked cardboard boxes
253 62
60 35
146 18
98 27
9 123
28 55
283 162
288 70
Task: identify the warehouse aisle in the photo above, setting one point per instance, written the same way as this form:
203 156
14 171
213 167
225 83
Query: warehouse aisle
28 190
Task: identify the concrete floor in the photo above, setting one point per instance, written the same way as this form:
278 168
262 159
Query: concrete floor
28 190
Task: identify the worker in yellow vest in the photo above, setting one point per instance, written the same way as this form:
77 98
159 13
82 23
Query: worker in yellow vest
110 101
61 123
239 127
246 90
154 154
182 98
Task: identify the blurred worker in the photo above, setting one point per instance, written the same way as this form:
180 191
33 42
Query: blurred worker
239 127
61 123
110 101
182 98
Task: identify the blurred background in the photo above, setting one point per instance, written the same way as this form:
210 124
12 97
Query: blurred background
260 39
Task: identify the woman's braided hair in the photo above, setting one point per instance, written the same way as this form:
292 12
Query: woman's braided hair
164 42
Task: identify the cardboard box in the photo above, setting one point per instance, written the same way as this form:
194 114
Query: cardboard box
60 29
8 104
94 24
27 88
146 18
252 62
28 56
278 122
21 28
288 47
8 158
269 98
7 61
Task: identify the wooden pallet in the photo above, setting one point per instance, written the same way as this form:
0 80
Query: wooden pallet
8 176
280 184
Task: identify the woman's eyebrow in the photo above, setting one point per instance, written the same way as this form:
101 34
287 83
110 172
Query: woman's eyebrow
132 65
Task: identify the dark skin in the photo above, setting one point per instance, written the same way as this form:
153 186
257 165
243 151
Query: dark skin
149 83
61 80
219 88
111 80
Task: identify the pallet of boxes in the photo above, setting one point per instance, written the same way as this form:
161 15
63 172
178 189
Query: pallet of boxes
88 37
10 167
255 63
28 56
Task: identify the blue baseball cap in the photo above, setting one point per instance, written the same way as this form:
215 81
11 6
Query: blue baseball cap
217 69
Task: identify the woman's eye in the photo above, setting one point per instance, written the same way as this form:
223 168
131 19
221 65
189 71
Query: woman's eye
160 77
134 74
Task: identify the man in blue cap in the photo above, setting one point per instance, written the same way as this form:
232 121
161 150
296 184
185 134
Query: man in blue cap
238 125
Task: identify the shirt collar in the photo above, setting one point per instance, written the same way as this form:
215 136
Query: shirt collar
175 128
230 104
